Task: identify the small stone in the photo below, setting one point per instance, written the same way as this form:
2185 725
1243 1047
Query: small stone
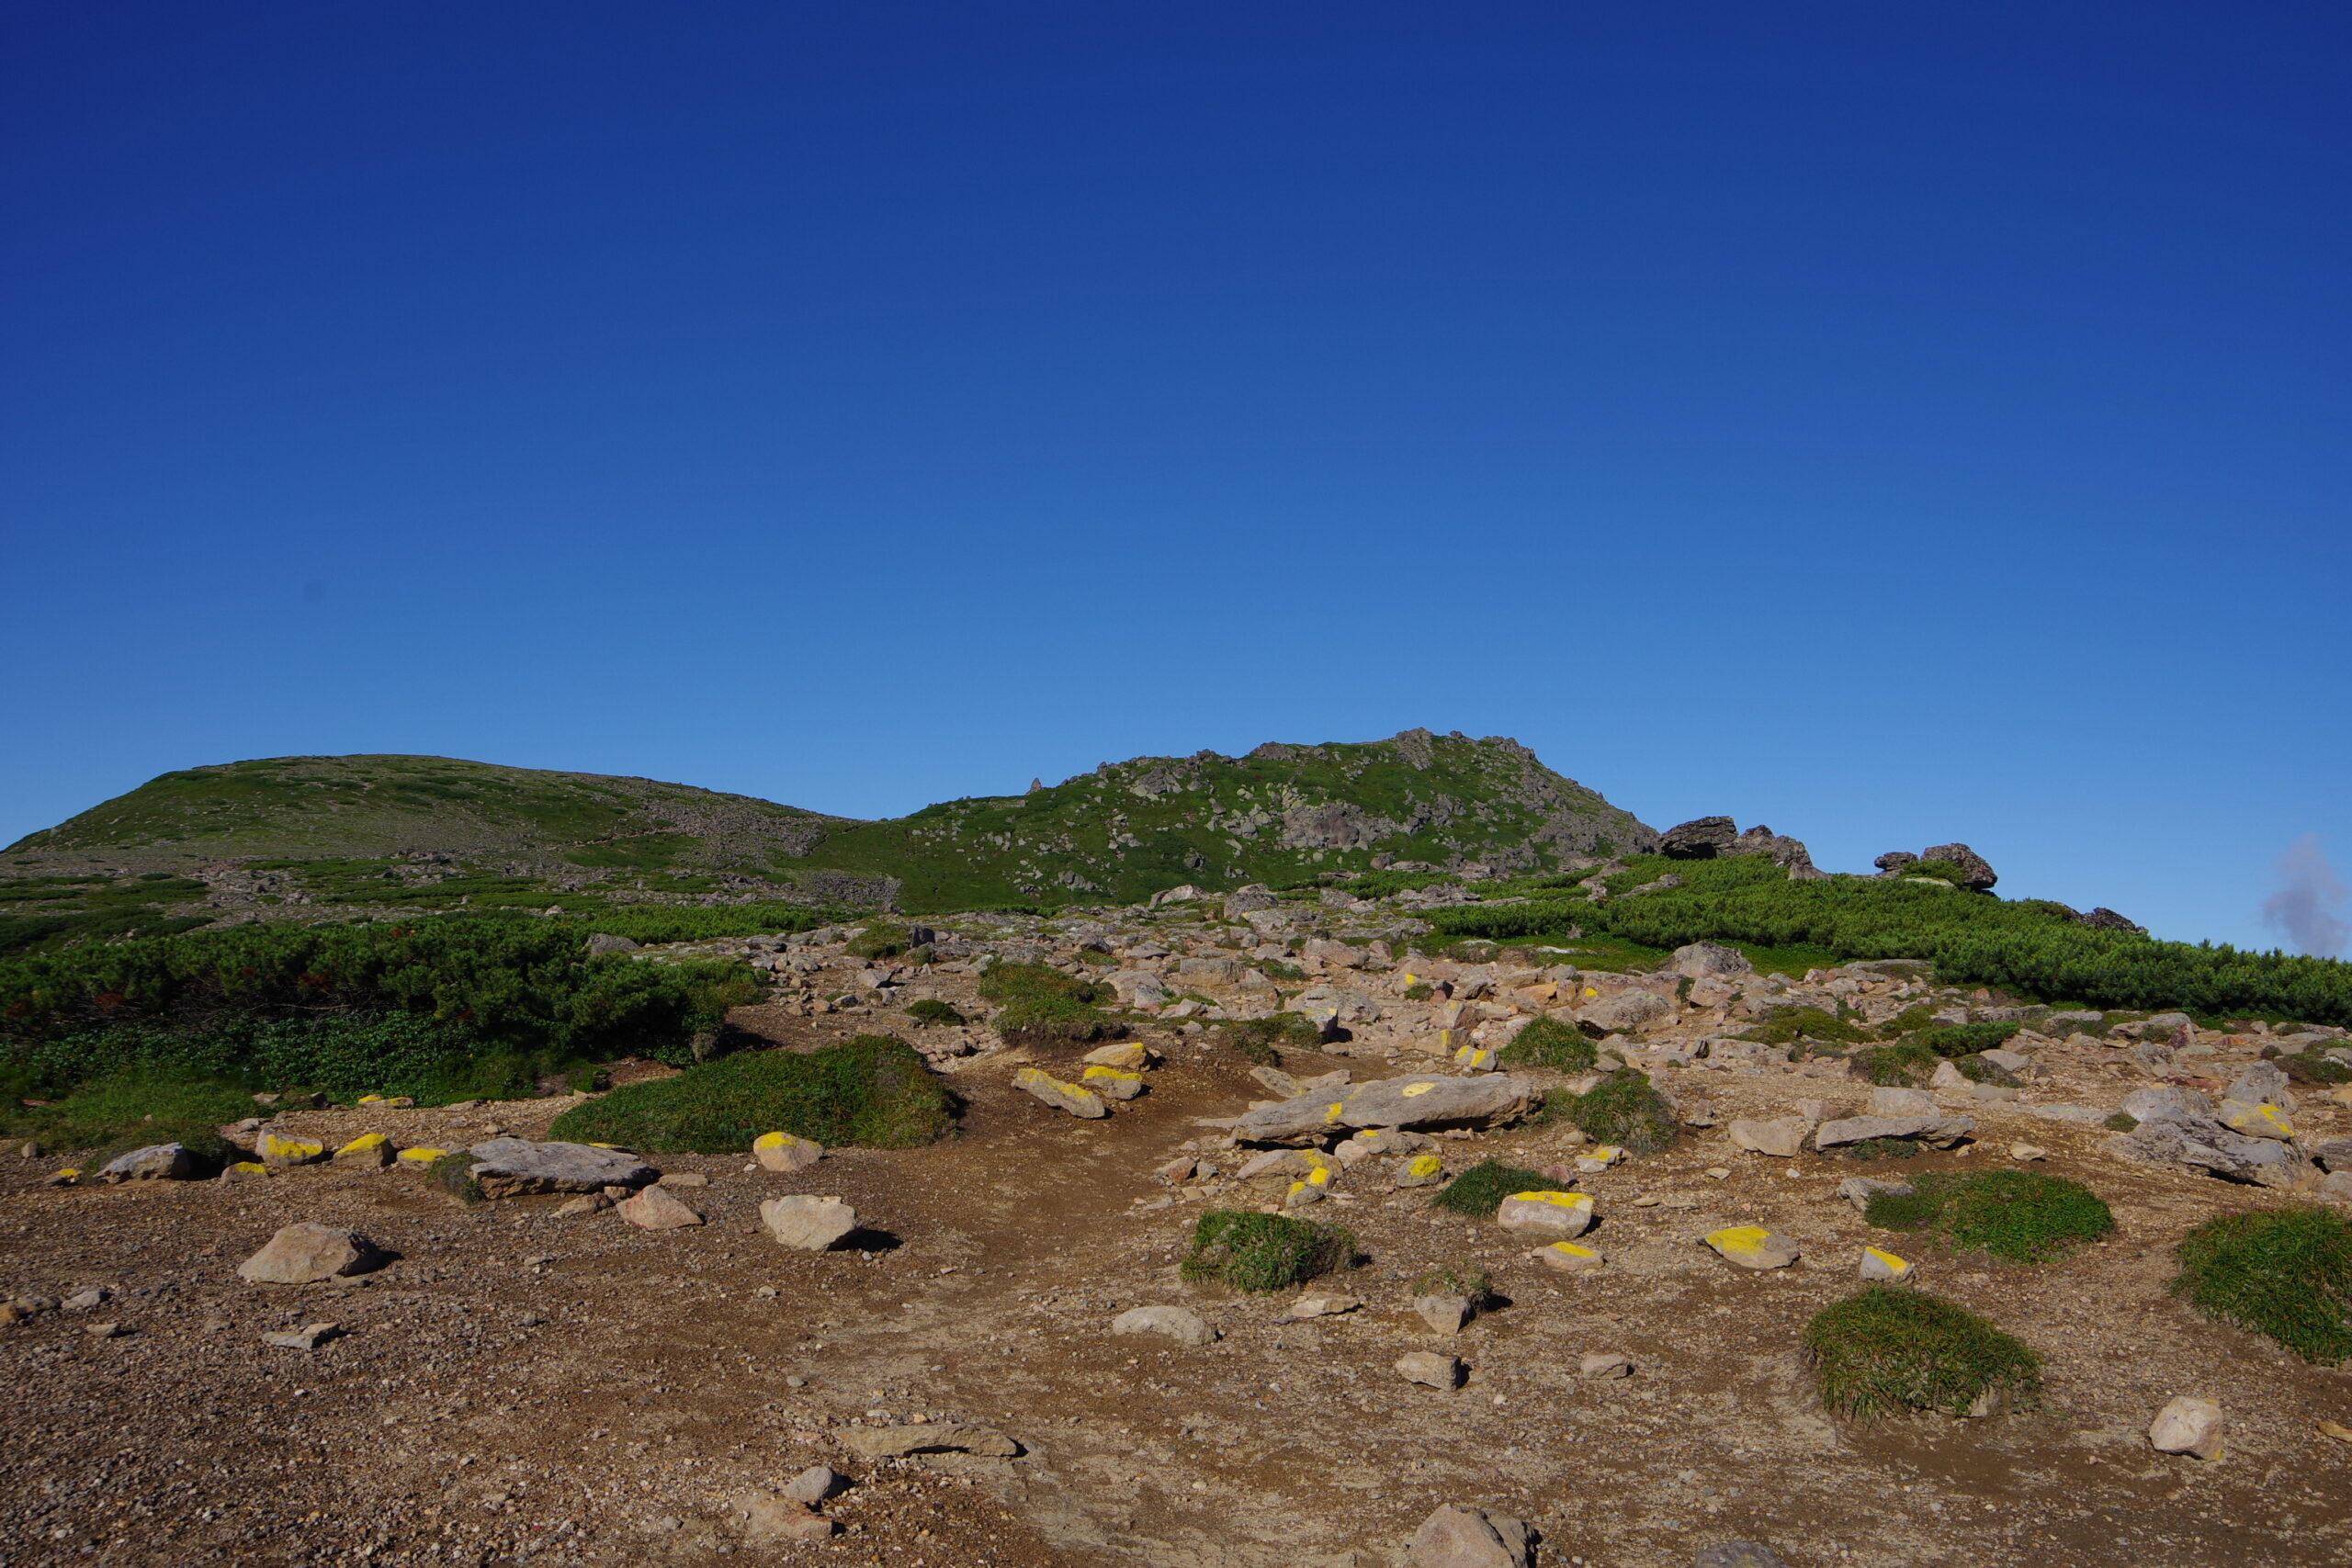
586 1204
2025 1152
1604 1364
1420 1171
1819 1110
310 1336
1599 1158
783 1151
1130 1056
1858 1190
1112 1083
1180 1323
156 1162
87 1301
1878 1264
2187 1426
1309 1190
370 1151
1444 1315
306 1252
1561 1214
1752 1246
418 1157
1567 1257
1051 1091
105 1330
683 1179
655 1208
1431 1370
1468 1537
1717 1173
1177 1171
809 1225
1321 1306
814 1484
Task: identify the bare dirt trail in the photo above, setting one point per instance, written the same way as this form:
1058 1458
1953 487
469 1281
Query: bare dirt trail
521 1388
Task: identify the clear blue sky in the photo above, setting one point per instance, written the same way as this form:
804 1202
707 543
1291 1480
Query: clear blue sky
1891 423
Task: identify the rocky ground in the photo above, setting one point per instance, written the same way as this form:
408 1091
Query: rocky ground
520 1384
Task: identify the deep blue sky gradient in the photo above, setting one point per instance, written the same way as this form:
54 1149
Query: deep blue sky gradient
1892 423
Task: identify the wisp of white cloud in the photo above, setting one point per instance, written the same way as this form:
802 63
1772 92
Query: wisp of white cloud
2310 899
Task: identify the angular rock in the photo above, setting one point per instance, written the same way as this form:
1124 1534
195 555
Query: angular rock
808 1224
1781 1139
1561 1215
1940 1132
1601 1365
1752 1246
814 1484
1880 1264
1702 838
1410 1102
156 1162
306 1252
586 1204
2183 1140
1321 1306
1180 1323
1976 873
370 1151
1468 1537
516 1168
2187 1426
1128 1055
310 1336
284 1154
1112 1083
657 1208
1049 1090
1710 961
1422 1170
765 1518
934 1437
1431 1370
1444 1315
2163 1101
2256 1118
784 1151
2336 1154
1628 1012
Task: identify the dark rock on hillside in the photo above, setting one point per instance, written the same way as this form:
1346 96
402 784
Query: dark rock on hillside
1977 871
1702 839
2105 920
1894 861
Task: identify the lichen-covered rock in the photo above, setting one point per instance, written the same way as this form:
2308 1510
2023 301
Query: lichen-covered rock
786 1152
516 1168
1050 1090
1752 1246
1112 1083
1410 1101
370 1151
1567 1257
283 1154
1561 1214
1879 1264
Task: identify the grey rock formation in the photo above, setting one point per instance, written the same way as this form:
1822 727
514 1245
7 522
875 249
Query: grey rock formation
1410 1101
515 1168
1702 838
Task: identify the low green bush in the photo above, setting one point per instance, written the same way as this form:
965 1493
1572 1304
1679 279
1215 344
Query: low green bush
1259 1253
1625 1109
1884 1349
872 1091
1788 1025
2283 1273
929 1009
2121 1121
1040 1019
1258 1039
1480 1191
2021 1216
1968 1039
881 939
1905 1064
1548 1043
1010 981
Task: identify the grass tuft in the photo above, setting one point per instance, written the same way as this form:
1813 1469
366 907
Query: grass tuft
872 1091
1480 1191
2021 1216
929 1009
2286 1273
1259 1253
1548 1043
1255 1039
1884 1349
1623 1108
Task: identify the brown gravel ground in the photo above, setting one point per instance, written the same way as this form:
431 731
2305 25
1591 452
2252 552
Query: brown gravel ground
519 1387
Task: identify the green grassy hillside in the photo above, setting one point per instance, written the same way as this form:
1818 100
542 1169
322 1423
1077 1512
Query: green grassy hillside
331 836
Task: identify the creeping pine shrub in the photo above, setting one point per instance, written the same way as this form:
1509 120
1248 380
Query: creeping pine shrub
1481 1190
2022 1216
929 1009
1255 1039
1623 1108
1254 1252
1044 1007
881 939
1548 1043
872 1091
1886 1350
2286 1273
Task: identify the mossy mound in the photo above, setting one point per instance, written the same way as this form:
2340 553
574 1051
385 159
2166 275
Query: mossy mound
1480 1191
1548 1043
872 1091
1259 1253
2020 1216
2285 1273
1626 1109
1886 1350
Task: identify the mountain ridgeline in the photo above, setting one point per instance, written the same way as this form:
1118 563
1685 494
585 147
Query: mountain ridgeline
308 836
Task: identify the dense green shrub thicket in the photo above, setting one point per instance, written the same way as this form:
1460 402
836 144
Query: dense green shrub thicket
2026 946
371 1007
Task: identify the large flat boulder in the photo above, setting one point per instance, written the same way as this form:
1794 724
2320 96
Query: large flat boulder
306 1252
1941 1132
516 1168
1413 1101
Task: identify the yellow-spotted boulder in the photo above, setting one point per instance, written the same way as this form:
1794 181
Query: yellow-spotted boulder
783 1151
417 1157
1880 1264
1112 1083
1567 1257
2256 1120
1051 1091
283 1154
1422 1170
1560 1215
1129 1055
370 1151
1752 1246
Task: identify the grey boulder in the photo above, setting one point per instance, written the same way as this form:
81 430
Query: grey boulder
808 1224
306 1252
1940 1132
1456 1537
156 1162
1701 838
1710 961
1410 1102
516 1168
